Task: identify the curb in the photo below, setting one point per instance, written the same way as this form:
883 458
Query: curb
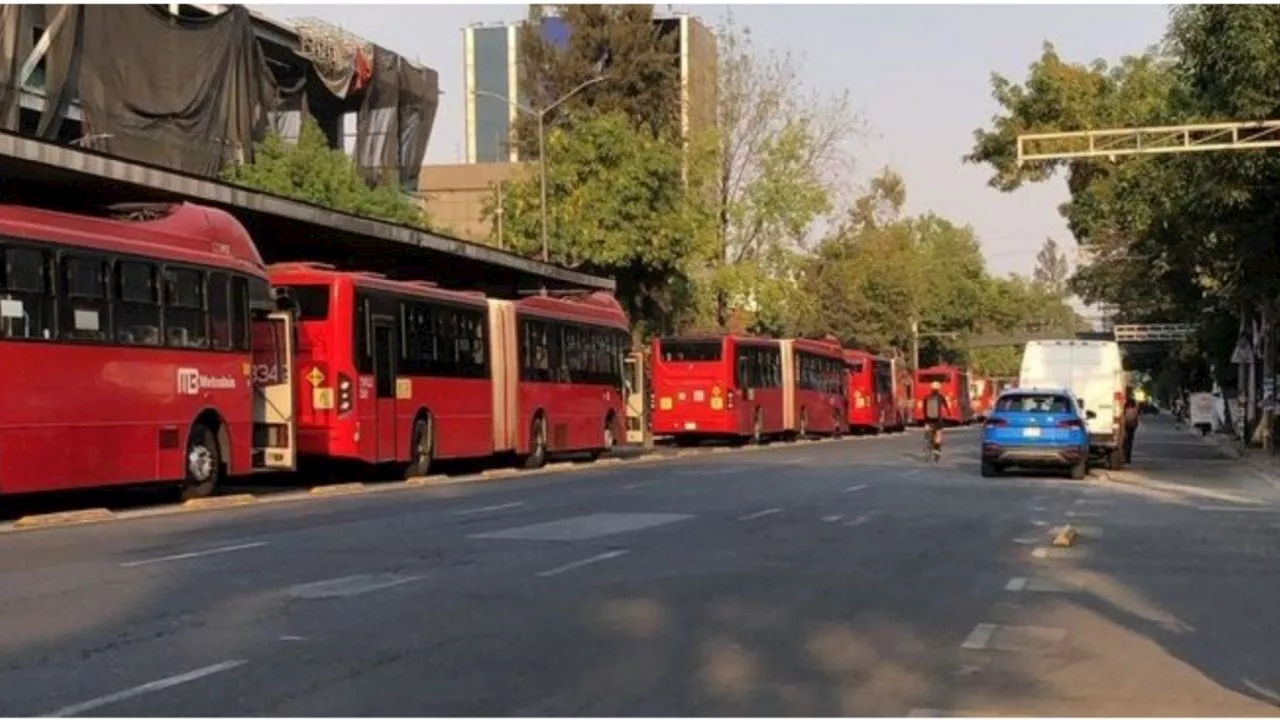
340 489
71 517
1065 537
222 501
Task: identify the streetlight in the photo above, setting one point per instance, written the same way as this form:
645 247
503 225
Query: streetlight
542 156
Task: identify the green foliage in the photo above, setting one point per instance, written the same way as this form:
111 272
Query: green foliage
312 172
617 205
642 76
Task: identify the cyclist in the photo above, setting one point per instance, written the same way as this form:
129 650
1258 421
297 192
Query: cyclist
935 407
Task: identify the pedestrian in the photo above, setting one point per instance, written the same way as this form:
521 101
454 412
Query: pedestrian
1130 423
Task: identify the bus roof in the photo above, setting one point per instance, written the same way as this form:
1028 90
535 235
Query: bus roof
299 273
598 307
182 232
822 347
708 337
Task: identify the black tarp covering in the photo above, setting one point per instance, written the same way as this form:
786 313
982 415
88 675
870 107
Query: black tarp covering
184 94
394 123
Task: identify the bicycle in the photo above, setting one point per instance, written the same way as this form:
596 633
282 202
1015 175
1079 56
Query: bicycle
932 450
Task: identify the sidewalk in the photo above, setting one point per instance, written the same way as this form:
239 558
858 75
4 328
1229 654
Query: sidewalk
1264 465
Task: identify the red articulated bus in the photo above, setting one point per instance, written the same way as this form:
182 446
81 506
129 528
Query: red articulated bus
406 372
982 392
142 346
818 381
569 353
955 388
871 392
717 387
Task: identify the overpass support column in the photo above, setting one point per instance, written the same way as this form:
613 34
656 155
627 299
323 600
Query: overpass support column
1268 375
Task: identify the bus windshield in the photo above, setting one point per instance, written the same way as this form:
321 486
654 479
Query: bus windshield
312 300
935 378
691 350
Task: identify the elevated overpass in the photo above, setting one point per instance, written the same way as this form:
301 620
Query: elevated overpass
51 175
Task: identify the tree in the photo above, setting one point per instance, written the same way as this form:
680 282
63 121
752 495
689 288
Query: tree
314 173
782 150
618 206
1052 268
620 41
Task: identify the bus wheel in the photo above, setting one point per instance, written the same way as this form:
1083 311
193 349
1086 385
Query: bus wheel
423 448
538 438
203 463
804 423
757 429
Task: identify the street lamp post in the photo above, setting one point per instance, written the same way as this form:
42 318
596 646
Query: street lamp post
541 115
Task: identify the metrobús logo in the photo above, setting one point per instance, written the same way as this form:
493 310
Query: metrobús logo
191 381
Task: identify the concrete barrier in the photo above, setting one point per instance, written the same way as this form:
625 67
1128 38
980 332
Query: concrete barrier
72 517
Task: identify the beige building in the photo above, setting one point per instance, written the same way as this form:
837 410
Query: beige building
454 195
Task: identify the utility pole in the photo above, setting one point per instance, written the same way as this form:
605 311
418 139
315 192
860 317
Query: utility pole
915 345
541 116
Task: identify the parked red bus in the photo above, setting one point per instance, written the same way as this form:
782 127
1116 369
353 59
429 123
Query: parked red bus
871 400
142 346
817 379
955 388
424 374
717 387
982 392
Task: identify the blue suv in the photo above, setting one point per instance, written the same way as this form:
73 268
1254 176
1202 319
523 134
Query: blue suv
1036 427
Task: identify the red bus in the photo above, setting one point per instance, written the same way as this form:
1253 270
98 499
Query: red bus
816 378
982 392
718 386
955 388
406 372
871 398
142 346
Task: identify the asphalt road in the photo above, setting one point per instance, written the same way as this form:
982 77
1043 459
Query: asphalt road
819 579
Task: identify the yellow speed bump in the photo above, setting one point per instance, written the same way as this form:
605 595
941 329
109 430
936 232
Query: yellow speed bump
219 502
71 517
1065 536
339 489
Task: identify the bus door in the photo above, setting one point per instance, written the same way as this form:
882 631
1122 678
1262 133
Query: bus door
384 380
633 379
275 428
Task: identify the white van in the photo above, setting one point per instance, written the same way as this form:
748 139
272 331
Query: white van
1094 372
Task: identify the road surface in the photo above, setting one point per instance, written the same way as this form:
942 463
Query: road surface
840 578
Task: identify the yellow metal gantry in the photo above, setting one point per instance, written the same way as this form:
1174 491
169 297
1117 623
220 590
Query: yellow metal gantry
1154 140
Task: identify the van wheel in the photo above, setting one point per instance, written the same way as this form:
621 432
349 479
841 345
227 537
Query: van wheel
423 449
538 439
203 463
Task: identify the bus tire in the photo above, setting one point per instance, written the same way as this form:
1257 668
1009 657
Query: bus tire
423 444
610 437
804 423
757 428
202 462
537 443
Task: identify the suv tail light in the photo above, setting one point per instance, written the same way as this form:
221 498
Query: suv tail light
1072 423
995 423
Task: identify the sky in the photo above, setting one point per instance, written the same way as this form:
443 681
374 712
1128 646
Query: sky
918 74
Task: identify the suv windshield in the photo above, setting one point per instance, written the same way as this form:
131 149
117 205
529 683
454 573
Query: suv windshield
1034 403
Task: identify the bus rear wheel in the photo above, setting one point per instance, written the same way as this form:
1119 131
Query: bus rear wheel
538 441
203 462
423 448
804 423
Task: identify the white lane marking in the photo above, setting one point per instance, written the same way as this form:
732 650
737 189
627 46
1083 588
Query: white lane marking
855 488
1074 514
1230 508
1039 585
193 554
1040 523
979 637
349 586
708 473
762 513
857 521
145 688
1040 553
1038 508
291 638
579 563
1013 638
1026 541
584 527
832 518
488 509
1016 584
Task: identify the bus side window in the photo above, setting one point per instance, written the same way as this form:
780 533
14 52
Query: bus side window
184 315
240 314
136 314
26 303
84 298
219 312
